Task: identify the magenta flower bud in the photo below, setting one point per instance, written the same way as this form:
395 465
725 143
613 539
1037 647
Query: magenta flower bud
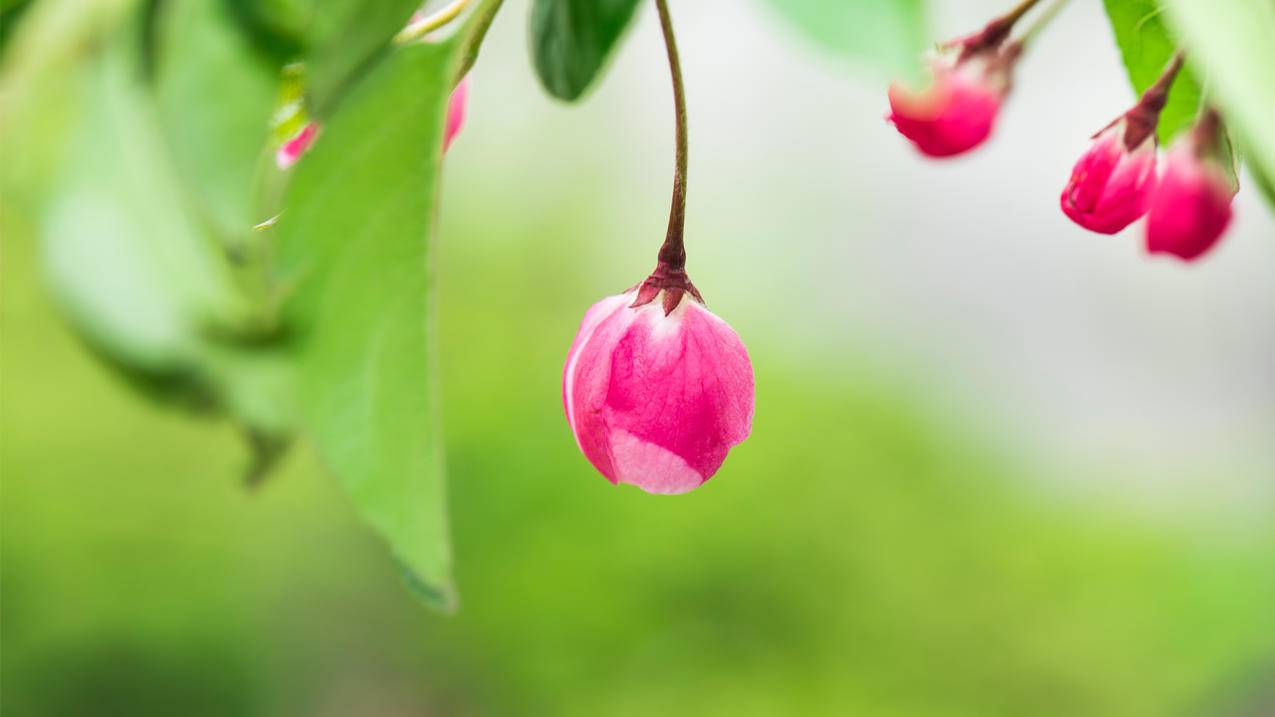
953 115
1192 207
291 150
1112 183
657 399
969 80
456 111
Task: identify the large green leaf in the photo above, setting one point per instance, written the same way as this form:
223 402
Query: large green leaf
130 264
354 250
571 41
1234 42
344 39
888 35
1146 46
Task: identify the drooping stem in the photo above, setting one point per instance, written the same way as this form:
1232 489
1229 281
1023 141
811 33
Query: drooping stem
420 28
1042 22
996 31
473 41
673 251
1017 13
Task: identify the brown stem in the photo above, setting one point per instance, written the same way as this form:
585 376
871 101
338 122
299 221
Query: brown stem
995 32
673 251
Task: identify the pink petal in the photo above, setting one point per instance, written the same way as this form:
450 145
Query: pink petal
456 111
290 151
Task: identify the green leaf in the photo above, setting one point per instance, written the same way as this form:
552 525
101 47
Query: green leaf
354 246
344 39
1232 41
129 264
887 35
1146 46
571 41
216 95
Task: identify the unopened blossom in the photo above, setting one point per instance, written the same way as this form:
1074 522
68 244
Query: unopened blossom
1112 183
656 397
1192 207
969 79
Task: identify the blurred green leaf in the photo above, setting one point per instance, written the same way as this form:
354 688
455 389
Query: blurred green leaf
10 13
275 26
215 94
889 35
1146 46
344 39
1232 41
571 41
354 247
132 269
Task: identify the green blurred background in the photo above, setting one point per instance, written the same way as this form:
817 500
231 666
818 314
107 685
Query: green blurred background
884 544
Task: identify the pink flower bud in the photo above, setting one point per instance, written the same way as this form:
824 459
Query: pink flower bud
290 151
953 115
1192 207
1112 183
956 112
456 111
657 400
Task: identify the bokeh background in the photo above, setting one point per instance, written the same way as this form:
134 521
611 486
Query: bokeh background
1000 466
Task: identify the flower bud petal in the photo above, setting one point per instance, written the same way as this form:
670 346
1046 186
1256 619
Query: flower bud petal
290 151
653 400
1192 207
1111 186
953 115
456 111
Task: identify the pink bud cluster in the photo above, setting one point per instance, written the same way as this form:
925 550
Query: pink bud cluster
1116 181
1188 205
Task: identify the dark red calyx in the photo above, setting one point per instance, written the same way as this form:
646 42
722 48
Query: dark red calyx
673 282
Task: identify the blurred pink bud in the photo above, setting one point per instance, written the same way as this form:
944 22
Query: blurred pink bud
1112 183
958 109
953 115
1192 207
290 151
657 400
456 111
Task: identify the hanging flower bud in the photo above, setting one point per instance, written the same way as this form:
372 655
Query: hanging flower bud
970 78
1192 207
1112 183
657 396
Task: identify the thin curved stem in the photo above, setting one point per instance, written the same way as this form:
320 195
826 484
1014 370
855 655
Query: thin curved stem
673 251
1021 9
416 30
1042 22
473 41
